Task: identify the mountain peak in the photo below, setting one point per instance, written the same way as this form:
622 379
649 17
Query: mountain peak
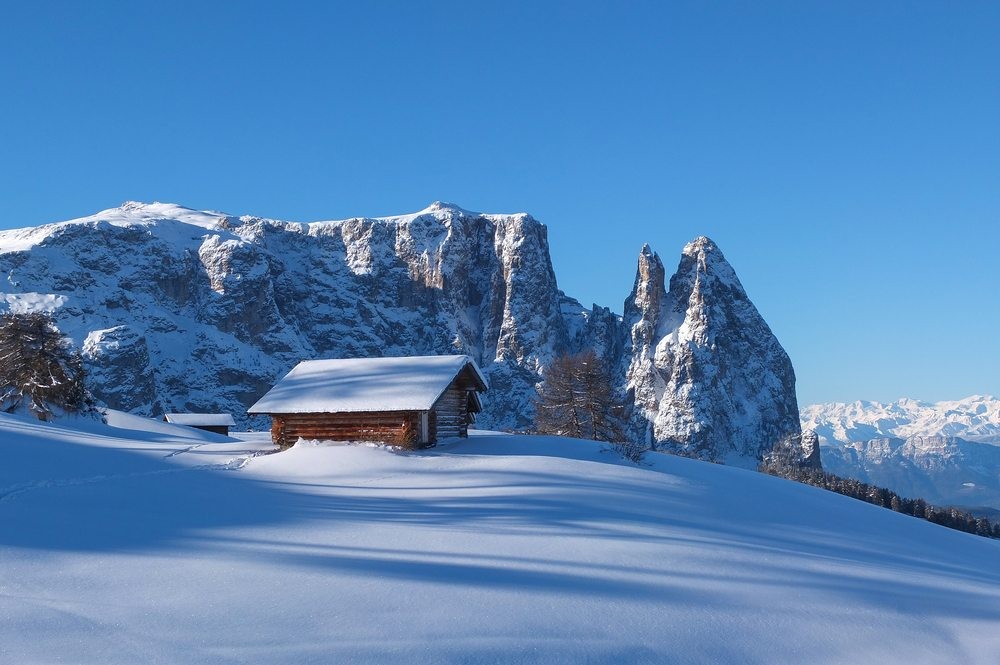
703 262
730 401
159 209
445 206
974 418
703 245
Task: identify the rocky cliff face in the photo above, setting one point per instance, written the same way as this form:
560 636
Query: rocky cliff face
705 374
180 310
810 450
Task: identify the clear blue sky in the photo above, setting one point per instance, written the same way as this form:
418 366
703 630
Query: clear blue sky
844 155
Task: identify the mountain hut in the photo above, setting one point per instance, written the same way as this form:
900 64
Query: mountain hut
210 422
410 401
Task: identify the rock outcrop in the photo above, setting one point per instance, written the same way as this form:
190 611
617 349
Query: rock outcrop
706 376
811 456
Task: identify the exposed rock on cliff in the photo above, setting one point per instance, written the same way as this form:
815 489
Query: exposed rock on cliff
180 309
706 375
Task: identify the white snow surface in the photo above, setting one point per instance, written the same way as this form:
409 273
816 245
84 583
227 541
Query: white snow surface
411 383
129 214
205 419
22 303
142 545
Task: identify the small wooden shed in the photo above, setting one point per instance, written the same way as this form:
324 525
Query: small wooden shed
210 422
412 401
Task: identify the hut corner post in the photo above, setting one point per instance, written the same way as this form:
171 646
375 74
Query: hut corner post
425 429
278 431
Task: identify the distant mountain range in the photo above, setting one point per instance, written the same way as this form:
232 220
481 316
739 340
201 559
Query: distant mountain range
946 452
975 418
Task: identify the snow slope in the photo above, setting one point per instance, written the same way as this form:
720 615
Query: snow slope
126 546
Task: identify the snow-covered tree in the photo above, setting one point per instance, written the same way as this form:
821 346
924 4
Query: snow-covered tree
40 372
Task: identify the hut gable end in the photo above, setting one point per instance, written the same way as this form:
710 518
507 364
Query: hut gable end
451 411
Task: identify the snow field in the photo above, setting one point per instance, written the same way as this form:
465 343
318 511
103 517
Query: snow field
174 546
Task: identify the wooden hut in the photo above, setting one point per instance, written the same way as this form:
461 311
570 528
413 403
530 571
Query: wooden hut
411 401
210 422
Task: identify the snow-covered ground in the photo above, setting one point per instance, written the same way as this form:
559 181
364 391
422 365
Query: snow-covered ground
158 544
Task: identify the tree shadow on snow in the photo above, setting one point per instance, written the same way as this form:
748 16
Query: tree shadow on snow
117 500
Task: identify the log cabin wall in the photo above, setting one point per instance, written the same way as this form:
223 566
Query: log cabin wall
395 427
451 412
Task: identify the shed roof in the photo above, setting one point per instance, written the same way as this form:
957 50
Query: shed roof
202 419
411 383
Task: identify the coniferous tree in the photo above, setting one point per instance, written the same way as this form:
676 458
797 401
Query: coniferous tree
39 370
577 399
556 407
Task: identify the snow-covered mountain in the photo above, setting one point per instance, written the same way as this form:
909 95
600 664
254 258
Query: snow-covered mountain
705 372
945 452
184 310
941 469
975 418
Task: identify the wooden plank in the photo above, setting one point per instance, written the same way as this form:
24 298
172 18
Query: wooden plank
396 427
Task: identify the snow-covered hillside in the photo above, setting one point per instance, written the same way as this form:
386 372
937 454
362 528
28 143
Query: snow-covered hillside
129 545
183 310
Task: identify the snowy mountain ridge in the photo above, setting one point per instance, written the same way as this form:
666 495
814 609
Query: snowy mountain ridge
944 470
975 418
185 310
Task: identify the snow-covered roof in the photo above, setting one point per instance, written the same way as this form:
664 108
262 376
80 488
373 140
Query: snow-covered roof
200 419
411 383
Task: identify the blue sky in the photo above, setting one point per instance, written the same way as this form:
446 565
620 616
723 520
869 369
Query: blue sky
844 155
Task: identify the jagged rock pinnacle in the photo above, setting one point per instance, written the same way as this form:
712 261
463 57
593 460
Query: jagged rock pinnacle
706 374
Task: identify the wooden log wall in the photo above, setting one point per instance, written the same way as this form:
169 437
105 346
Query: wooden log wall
451 412
395 427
